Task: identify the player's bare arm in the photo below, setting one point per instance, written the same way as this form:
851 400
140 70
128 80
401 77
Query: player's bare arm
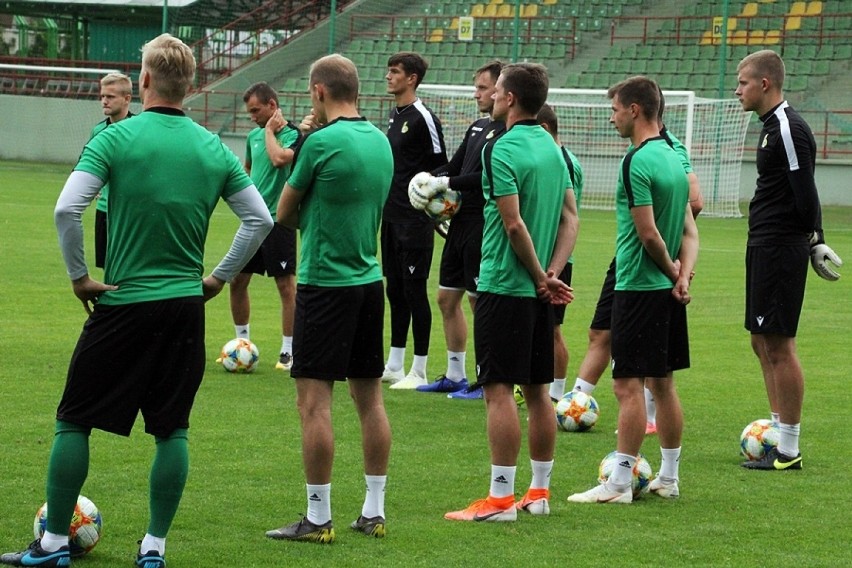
279 156
288 206
566 235
547 285
652 241
687 256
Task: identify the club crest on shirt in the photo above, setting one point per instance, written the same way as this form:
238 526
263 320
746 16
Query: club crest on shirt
490 135
404 128
765 141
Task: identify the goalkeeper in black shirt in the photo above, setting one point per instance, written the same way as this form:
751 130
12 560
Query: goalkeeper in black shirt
785 229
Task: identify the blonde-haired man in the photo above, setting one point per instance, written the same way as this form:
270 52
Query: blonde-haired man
142 347
116 94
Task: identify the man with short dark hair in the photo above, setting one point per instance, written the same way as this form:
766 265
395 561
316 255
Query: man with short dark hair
459 272
407 235
529 233
269 152
649 333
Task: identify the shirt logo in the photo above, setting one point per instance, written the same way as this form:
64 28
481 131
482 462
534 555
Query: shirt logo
489 135
404 128
765 141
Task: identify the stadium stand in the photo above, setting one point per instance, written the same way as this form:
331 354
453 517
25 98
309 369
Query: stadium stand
684 44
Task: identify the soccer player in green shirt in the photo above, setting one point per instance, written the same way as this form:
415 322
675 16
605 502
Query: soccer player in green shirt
649 332
116 94
142 348
341 177
530 223
269 152
549 121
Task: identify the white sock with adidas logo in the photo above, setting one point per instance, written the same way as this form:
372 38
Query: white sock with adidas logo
502 480
319 503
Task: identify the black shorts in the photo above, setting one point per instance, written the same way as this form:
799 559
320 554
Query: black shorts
559 309
775 288
276 255
649 334
513 338
339 332
461 255
407 250
146 357
100 238
602 320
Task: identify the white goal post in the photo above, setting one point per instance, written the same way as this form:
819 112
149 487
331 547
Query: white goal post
713 130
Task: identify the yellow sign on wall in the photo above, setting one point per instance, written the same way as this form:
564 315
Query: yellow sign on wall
466 28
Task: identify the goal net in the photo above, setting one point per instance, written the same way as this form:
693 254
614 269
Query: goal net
713 130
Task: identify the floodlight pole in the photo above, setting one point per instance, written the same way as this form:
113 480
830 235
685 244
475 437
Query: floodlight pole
165 15
332 26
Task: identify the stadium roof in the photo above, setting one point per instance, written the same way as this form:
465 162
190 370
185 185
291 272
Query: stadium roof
210 13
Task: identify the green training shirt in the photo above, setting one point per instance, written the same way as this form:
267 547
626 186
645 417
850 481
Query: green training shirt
166 174
345 169
651 174
268 179
575 172
525 162
101 203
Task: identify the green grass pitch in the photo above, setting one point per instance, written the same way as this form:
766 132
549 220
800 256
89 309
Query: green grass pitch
245 469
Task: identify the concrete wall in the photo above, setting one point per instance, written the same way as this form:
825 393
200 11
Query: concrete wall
44 129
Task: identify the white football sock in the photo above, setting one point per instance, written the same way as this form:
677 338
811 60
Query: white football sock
419 365
502 480
776 418
242 331
669 464
583 386
621 478
287 344
150 543
541 474
396 358
455 365
51 542
374 499
788 441
557 388
319 503
650 406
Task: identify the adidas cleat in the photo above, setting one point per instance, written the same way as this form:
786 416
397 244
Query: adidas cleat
473 392
35 555
443 384
370 526
775 460
304 530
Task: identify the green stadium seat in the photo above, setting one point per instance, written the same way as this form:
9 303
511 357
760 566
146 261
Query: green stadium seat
843 52
644 51
686 66
820 67
675 52
653 66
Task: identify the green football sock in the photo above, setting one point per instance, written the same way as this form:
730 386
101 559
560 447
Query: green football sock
168 478
66 473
